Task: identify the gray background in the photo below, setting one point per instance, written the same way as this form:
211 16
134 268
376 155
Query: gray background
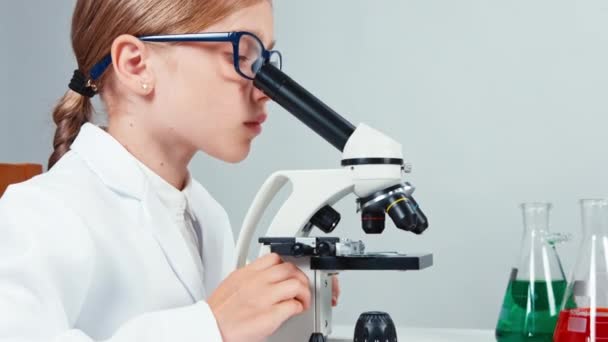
495 102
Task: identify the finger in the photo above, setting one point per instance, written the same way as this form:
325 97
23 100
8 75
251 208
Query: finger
290 289
281 312
265 262
284 271
335 287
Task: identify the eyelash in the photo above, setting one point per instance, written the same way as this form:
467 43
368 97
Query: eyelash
229 57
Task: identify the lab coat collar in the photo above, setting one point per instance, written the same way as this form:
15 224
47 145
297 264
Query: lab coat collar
120 171
116 167
172 242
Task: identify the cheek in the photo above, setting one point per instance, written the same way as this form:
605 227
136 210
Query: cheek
208 110
223 134
215 125
230 144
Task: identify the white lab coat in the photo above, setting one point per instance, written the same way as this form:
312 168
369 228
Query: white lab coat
89 253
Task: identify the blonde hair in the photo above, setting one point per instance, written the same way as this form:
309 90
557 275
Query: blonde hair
95 25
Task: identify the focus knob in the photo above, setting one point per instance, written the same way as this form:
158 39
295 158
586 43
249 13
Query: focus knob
327 218
375 326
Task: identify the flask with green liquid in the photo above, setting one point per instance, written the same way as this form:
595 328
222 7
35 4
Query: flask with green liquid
533 298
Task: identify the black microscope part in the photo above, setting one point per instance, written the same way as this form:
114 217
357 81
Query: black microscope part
403 262
326 219
372 161
324 246
375 326
401 208
406 214
317 337
304 105
324 257
373 220
423 222
402 212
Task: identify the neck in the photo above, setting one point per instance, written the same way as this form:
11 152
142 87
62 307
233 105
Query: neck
158 150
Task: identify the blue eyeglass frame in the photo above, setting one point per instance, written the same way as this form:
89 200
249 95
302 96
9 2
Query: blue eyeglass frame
231 37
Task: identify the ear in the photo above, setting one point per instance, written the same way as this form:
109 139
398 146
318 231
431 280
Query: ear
132 64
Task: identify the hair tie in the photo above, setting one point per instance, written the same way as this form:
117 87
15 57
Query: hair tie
82 85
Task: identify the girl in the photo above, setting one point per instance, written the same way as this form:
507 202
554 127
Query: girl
117 242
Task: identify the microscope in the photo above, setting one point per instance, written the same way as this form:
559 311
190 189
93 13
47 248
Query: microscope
372 169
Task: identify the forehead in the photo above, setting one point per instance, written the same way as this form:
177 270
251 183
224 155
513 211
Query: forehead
257 19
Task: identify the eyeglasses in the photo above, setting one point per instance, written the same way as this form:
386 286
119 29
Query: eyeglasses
249 53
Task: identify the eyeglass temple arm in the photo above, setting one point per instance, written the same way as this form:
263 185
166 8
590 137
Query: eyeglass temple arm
99 68
190 37
303 105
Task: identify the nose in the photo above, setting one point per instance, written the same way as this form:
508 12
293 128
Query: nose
258 95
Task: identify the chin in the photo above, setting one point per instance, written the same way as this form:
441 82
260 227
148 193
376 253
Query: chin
230 152
235 156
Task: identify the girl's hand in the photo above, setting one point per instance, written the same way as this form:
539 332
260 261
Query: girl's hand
253 302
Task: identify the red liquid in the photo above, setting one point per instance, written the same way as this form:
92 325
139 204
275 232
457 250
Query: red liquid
574 325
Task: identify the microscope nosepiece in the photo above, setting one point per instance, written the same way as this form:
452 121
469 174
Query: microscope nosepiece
397 202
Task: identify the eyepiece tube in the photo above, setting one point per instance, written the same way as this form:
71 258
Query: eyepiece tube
303 105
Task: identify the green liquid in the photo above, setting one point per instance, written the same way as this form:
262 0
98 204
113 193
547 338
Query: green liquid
530 311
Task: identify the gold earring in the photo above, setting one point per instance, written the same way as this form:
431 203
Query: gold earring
144 86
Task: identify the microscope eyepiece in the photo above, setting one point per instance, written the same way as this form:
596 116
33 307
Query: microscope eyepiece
303 105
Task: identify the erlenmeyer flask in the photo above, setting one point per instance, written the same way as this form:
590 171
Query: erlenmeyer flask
533 298
584 317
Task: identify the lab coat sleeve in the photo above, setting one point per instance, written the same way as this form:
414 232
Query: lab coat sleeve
46 262
190 323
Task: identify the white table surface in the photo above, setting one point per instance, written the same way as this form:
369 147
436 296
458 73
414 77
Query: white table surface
345 333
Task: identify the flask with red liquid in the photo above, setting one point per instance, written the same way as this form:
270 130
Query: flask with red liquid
584 314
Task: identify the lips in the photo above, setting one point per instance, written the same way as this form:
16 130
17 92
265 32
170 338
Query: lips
256 124
260 119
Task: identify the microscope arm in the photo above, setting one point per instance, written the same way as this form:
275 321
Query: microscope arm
312 189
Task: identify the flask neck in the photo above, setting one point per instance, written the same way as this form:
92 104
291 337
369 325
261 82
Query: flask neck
594 216
536 217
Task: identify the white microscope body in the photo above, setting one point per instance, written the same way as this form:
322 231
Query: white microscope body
373 170
312 190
